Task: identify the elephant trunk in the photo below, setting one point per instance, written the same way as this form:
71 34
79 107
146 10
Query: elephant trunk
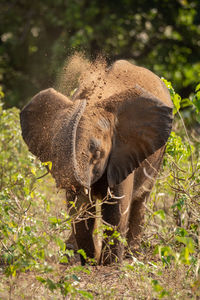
77 174
65 168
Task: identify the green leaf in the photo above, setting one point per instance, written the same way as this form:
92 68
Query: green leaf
161 214
60 243
85 294
196 101
41 279
1 93
48 164
157 287
187 241
177 102
64 260
51 285
54 220
197 87
82 252
176 99
181 232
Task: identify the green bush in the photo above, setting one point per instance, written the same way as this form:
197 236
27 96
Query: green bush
175 201
34 222
21 243
30 228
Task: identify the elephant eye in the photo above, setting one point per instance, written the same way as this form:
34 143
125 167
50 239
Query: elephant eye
94 145
96 157
97 154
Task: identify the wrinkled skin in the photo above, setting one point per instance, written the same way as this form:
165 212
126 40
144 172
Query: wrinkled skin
110 138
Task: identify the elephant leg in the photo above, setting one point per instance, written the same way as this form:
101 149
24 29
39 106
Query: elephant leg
71 243
116 214
82 227
83 234
143 180
136 222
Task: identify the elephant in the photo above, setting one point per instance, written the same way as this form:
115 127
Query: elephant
106 144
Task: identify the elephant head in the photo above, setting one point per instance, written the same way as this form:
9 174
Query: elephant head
114 121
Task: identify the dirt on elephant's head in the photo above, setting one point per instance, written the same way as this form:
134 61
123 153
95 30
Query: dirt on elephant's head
88 76
96 81
93 80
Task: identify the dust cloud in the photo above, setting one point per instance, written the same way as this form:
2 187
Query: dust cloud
69 77
79 72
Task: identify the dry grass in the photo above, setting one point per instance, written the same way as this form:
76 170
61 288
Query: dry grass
131 280
141 276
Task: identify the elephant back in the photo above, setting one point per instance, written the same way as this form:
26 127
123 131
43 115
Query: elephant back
99 82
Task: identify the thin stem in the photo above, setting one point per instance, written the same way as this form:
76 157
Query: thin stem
192 164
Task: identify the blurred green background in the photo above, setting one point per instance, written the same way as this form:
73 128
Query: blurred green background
36 37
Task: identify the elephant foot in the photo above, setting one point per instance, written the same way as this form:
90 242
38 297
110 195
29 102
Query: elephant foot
77 257
112 254
103 252
134 244
71 243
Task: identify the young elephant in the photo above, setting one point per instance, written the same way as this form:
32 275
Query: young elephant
109 139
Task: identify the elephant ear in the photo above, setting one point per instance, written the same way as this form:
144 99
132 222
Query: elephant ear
37 119
143 125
